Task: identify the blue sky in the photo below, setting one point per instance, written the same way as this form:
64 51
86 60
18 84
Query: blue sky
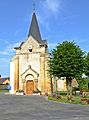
58 20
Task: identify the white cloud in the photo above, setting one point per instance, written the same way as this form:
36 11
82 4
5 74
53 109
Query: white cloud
49 11
9 50
52 6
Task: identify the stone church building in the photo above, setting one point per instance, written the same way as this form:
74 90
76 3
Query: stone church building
29 67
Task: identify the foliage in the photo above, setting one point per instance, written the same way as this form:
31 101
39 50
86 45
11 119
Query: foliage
63 92
87 64
67 60
83 83
37 91
3 87
20 91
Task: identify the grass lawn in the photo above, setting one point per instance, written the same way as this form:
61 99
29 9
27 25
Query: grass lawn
63 99
4 91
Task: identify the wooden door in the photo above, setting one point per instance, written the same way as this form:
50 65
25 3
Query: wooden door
29 87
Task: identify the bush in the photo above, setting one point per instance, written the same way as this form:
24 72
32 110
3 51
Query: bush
63 93
58 96
20 91
37 91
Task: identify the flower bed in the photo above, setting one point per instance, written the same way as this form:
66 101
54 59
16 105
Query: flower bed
20 92
37 92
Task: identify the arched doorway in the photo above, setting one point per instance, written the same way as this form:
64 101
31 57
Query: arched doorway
29 87
29 84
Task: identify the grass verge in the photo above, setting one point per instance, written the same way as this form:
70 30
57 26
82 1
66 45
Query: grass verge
63 99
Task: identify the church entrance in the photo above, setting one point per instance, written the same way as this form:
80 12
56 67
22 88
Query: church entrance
29 87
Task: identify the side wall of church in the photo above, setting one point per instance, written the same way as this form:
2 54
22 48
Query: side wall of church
47 76
16 74
44 74
12 77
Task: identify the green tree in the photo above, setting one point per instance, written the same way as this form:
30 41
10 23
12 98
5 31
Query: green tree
87 64
83 84
67 60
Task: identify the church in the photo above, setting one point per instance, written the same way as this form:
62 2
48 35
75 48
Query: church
29 66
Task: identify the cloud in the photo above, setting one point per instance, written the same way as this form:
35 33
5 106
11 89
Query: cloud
49 10
9 49
52 6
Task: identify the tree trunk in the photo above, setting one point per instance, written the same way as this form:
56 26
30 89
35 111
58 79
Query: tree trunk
51 85
69 88
56 87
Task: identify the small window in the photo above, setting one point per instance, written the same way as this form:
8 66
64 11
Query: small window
30 50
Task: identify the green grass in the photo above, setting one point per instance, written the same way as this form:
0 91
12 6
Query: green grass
4 91
63 99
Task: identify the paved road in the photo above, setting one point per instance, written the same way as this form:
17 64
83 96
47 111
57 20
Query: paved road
38 108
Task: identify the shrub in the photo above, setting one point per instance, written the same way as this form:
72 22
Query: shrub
20 91
37 91
63 93
58 96
87 101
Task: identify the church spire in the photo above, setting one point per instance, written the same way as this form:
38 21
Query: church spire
34 29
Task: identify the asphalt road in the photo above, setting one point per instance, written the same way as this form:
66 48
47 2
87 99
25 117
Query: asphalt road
38 108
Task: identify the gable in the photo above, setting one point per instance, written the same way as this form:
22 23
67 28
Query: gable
31 72
30 41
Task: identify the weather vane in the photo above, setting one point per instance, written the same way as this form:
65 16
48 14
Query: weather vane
34 6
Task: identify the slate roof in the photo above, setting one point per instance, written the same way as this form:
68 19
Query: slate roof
34 29
34 32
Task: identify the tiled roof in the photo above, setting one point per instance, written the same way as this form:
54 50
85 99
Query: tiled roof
3 79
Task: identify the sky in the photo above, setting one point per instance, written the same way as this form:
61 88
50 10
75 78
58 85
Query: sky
58 20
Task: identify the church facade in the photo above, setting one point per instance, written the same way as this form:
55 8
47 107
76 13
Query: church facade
29 67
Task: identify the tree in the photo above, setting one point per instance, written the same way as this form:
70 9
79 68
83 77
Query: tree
67 61
83 84
87 64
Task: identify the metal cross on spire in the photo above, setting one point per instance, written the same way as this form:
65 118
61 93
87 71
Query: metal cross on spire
34 6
